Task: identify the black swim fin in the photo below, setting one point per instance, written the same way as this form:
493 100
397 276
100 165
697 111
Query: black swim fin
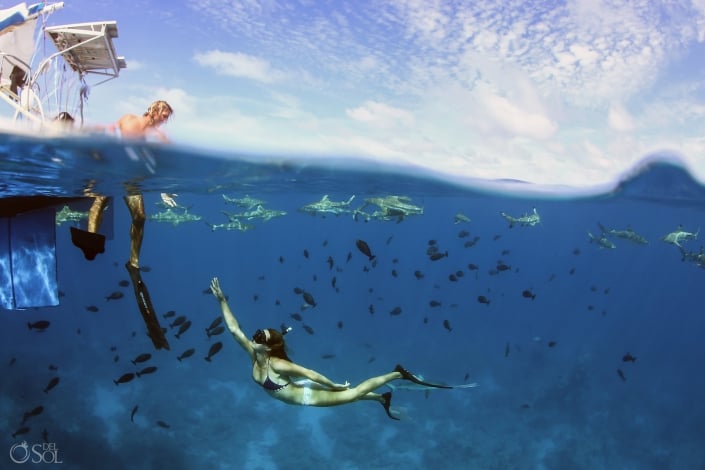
406 375
387 396
90 243
144 302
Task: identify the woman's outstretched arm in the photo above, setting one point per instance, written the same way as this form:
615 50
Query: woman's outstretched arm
230 319
291 369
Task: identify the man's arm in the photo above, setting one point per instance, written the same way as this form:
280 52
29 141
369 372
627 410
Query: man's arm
230 319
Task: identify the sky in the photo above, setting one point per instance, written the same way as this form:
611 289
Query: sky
552 92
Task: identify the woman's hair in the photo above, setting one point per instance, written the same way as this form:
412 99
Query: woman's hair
276 344
157 108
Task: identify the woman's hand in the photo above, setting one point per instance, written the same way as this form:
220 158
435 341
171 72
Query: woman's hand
215 289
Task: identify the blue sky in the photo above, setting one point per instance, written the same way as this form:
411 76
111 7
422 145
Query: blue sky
551 92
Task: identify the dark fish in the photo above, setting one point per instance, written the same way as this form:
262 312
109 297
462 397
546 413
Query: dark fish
628 358
306 254
308 298
340 325
178 321
528 294
170 313
115 295
435 303
215 331
183 328
463 234
364 249
162 424
431 250
147 370
432 242
134 411
425 320
483 300
395 273
453 278
40 325
141 358
298 291
330 262
503 267
124 283
327 356
185 354
349 257
333 282
395 311
92 308
371 308
53 367
459 274
281 260
418 274
22 430
113 348
296 316
52 383
34 412
437 256
446 325
215 347
552 344
116 358
12 361
308 329
473 267
506 349
124 378
621 375
215 323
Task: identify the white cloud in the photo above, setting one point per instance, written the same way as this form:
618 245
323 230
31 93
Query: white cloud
237 64
619 118
380 114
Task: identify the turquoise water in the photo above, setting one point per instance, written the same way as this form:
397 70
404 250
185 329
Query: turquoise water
546 352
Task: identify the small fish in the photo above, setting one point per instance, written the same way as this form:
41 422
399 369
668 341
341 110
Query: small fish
306 255
22 430
12 361
178 321
185 354
552 344
395 273
435 303
298 291
340 325
506 349
621 375
215 347
327 356
147 370
349 257
34 412
52 383
308 298
437 256
334 282
115 295
628 358
463 234
473 267
483 300
452 278
364 249
446 325
215 331
308 329
183 328
371 309
395 311
215 323
53 367
116 358
330 262
296 316
124 378
134 411
162 424
92 308
418 274
171 313
40 325
528 294
142 358
124 283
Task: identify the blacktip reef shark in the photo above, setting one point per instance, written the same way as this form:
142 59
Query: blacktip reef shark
460 218
326 206
391 208
697 258
602 241
174 217
627 234
236 224
679 236
525 220
258 213
246 202
68 215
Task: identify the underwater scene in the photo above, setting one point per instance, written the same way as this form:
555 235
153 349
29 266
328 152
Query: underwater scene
568 325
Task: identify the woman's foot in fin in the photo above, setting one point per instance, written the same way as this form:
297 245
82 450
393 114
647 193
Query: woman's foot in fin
90 243
386 403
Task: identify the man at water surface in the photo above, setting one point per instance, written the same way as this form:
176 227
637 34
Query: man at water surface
296 385
131 126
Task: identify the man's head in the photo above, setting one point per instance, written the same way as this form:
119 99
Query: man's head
159 112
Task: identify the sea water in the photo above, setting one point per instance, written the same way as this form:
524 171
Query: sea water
587 350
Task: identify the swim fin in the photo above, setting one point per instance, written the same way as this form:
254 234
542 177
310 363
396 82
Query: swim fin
90 243
144 302
406 375
387 397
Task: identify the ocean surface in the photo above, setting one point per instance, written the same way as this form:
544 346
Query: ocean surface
581 323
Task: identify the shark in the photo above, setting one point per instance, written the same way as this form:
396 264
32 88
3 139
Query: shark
679 235
174 217
326 206
390 208
525 220
68 215
460 218
697 258
258 213
627 234
246 202
236 224
602 241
